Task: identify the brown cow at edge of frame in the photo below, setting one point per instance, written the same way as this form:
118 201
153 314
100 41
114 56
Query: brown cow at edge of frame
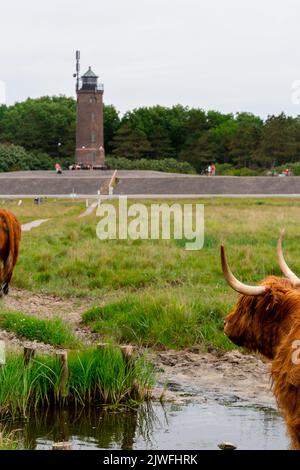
266 318
10 236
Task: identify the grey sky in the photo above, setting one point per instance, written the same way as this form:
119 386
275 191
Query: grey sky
229 55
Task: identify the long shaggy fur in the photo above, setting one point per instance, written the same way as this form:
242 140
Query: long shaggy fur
10 236
270 324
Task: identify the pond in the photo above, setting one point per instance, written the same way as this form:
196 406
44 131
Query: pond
156 426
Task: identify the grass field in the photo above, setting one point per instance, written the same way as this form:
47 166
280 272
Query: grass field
154 292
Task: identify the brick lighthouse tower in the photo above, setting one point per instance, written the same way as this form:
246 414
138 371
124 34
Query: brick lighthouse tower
89 123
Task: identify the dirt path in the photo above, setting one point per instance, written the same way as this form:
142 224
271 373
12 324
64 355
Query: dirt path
35 223
191 374
48 307
89 210
45 306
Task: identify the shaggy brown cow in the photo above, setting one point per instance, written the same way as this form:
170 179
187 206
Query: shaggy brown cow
266 318
10 236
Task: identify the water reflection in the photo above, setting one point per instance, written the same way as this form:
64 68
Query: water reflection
95 427
153 426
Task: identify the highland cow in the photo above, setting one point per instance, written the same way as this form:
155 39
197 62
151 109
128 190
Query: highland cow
266 318
10 236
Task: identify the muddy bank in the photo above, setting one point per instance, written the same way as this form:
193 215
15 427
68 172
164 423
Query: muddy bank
230 377
47 307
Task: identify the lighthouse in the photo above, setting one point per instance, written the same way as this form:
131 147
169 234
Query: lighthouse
89 119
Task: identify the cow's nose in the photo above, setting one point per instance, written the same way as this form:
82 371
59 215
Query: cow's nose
225 322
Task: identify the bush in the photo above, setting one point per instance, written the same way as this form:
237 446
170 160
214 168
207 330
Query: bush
16 158
13 158
226 169
293 167
169 165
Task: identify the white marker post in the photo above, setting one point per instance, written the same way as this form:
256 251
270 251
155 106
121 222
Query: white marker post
2 353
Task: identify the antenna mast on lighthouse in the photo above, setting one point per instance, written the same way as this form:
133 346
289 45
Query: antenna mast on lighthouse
77 70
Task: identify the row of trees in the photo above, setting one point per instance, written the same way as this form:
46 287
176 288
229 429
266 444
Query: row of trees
47 126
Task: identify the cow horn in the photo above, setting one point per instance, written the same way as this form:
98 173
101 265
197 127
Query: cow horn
235 283
282 263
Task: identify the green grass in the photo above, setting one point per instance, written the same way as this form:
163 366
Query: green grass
169 165
159 321
7 440
54 332
51 208
65 258
95 377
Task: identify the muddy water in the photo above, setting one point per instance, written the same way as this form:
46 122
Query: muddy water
156 426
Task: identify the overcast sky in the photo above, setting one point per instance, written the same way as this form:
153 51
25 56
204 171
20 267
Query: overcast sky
228 55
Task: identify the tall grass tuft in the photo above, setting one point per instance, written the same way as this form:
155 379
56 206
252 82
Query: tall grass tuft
96 376
8 440
160 321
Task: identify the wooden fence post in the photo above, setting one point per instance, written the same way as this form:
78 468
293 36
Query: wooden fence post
62 356
127 353
29 354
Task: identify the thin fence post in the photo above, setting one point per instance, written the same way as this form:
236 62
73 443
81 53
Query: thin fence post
29 354
2 353
127 353
62 356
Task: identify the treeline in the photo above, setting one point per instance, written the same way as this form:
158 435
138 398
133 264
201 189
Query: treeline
40 131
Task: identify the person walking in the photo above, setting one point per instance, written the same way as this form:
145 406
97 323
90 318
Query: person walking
58 169
209 170
213 169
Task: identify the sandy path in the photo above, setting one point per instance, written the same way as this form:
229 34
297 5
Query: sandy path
89 210
35 223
